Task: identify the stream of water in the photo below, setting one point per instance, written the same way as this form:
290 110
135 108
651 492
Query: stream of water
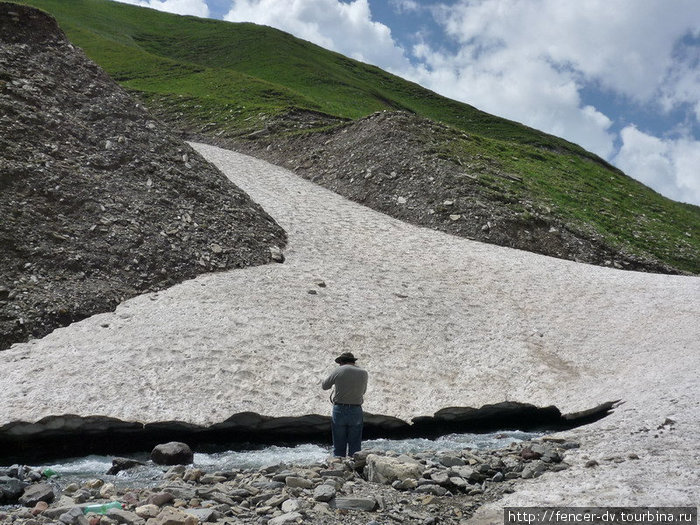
88 467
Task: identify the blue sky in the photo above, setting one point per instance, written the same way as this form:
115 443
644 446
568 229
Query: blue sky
619 77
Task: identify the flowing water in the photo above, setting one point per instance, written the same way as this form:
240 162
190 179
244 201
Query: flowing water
88 467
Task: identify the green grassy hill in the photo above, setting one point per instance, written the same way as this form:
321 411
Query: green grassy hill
232 80
250 68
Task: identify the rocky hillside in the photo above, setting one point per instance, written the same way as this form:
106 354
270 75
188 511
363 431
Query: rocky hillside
430 174
99 202
457 169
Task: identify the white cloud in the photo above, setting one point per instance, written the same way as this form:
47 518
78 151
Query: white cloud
401 6
503 83
179 7
347 28
682 82
625 45
530 60
669 166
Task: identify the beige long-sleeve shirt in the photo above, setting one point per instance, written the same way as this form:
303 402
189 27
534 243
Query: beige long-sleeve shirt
350 383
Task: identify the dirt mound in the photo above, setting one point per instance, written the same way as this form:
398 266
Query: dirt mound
392 162
99 202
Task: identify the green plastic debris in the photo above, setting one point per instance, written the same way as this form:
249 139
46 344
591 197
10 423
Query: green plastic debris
101 508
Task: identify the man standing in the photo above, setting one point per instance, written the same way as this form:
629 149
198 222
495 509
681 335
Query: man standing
350 383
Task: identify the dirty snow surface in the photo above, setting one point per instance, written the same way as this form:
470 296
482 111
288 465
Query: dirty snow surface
438 321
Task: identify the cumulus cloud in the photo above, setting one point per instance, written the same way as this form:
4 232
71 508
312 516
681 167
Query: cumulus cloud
682 82
179 7
347 28
669 166
531 60
505 83
626 45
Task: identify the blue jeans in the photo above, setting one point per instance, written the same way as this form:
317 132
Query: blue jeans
346 426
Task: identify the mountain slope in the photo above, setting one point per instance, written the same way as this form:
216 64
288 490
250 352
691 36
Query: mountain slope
431 175
98 201
158 52
259 89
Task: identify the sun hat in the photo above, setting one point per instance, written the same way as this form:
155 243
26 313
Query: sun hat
345 357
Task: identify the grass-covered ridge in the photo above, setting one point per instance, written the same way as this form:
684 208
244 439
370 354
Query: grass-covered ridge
256 67
235 79
621 210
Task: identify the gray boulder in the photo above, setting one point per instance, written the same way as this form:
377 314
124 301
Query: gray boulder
534 469
297 482
11 489
548 453
73 516
529 454
36 493
205 515
383 469
173 453
431 488
467 473
458 482
276 254
53 513
452 461
333 473
119 464
440 477
172 516
170 492
125 517
406 484
290 505
349 503
324 493
217 496
290 517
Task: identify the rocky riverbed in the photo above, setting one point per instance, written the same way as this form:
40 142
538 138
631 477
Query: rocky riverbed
374 487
